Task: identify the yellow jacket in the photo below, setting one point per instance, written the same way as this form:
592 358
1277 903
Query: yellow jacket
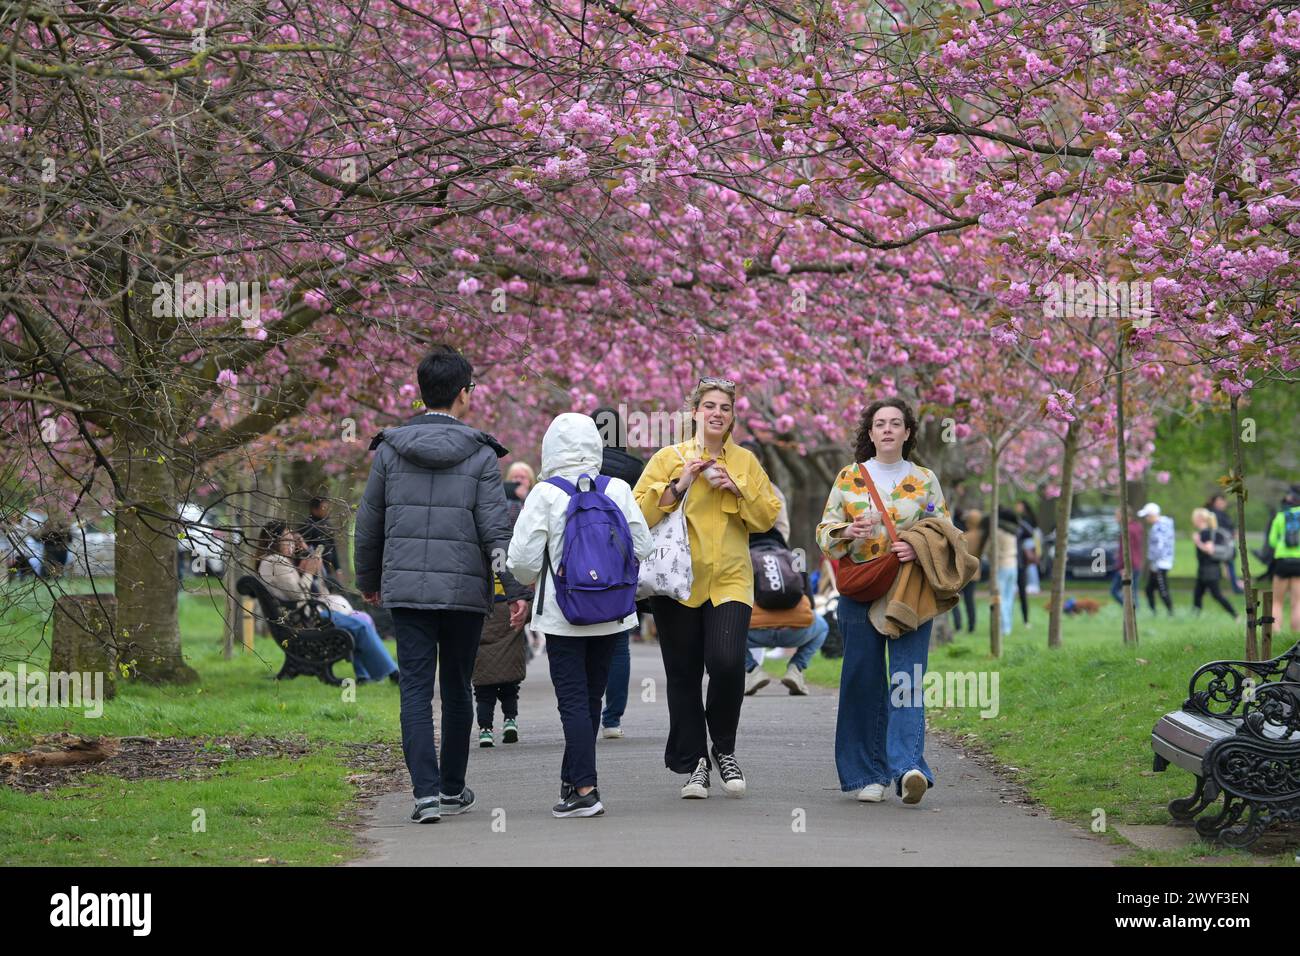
717 522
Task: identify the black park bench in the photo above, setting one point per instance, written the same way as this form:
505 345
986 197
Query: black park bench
311 644
1239 733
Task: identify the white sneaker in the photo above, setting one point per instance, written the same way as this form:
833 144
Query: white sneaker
733 780
756 679
794 681
611 733
872 793
697 787
914 786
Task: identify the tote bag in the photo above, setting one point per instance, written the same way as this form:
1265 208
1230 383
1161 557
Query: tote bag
667 571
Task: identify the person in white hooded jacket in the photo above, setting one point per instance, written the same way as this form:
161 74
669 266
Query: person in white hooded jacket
579 654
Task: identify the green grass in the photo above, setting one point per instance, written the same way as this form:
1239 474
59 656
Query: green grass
1077 721
257 810
272 807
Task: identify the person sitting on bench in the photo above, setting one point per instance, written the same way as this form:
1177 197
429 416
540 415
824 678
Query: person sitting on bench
288 569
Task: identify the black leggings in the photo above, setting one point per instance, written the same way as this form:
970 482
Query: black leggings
1159 580
1213 588
694 640
486 697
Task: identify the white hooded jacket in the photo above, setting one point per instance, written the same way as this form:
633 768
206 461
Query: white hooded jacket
570 449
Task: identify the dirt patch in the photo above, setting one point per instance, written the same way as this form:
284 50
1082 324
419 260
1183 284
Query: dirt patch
147 758
378 768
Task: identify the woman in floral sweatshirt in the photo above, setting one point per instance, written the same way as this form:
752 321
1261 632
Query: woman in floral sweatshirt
879 740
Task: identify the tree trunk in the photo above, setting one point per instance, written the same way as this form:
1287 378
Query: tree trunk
148 637
1125 558
942 632
1069 451
1238 488
995 615
83 638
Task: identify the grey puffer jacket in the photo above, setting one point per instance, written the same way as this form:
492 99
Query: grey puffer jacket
433 514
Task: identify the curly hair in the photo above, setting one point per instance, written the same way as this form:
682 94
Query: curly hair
866 448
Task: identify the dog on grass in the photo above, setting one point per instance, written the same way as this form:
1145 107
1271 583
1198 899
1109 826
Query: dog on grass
1077 606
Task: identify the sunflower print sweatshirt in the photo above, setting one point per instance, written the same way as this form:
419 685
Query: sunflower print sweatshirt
906 489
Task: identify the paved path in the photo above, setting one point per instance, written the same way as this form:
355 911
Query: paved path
786 749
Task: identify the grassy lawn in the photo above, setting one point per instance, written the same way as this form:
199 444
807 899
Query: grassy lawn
267 809
1076 722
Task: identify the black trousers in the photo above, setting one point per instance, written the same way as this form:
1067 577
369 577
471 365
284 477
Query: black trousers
486 697
1022 578
1158 580
1213 587
425 640
967 598
694 640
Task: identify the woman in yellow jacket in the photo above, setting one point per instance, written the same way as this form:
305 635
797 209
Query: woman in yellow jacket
708 630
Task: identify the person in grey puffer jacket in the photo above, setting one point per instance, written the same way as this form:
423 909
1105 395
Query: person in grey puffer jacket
432 526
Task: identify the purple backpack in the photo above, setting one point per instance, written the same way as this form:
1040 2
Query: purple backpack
595 581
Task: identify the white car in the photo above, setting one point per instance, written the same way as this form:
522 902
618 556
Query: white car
203 550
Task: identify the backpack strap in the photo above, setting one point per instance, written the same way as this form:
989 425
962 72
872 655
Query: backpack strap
563 484
600 482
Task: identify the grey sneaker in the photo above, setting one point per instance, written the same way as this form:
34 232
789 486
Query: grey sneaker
793 680
460 803
427 810
756 679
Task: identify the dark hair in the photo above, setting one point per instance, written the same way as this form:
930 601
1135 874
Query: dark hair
866 448
1029 512
271 532
442 375
607 418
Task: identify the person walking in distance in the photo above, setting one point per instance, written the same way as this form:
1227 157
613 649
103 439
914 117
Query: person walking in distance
1160 555
1209 565
432 520
1284 539
728 496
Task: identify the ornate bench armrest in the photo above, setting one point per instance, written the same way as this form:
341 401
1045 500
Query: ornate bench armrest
311 614
1223 685
1274 707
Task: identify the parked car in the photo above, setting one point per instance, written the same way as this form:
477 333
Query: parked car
93 548
203 550
1087 534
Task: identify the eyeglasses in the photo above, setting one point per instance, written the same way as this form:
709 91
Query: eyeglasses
720 382
470 387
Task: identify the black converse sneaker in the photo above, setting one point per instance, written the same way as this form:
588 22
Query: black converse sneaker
733 781
697 787
587 805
